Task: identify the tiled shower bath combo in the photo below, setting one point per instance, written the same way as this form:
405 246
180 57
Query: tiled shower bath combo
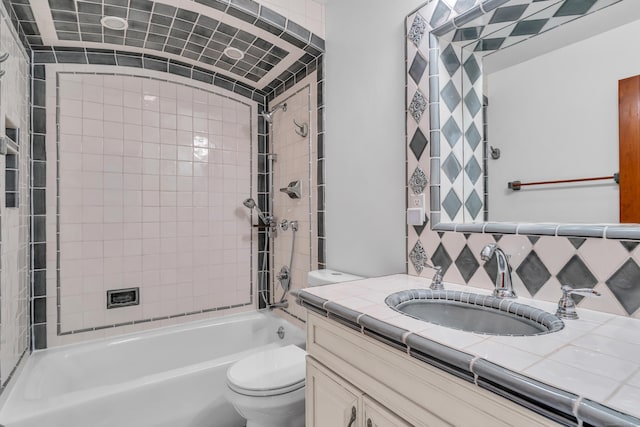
132 198
439 83
141 155
216 33
149 173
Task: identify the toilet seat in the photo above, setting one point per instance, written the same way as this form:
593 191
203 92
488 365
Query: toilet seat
269 372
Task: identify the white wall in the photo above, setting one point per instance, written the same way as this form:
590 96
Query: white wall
556 117
365 135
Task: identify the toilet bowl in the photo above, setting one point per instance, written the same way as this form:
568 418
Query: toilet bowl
267 388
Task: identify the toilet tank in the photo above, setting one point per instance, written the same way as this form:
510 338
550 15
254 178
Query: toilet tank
326 276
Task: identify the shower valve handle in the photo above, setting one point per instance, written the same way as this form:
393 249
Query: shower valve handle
283 274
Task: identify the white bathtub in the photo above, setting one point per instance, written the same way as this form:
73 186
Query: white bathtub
170 377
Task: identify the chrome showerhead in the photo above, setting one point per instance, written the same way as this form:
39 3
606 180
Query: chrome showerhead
251 204
268 116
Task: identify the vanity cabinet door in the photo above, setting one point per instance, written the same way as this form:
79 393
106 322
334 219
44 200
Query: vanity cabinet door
330 401
376 415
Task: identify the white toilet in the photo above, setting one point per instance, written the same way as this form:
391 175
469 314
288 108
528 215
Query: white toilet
267 388
327 277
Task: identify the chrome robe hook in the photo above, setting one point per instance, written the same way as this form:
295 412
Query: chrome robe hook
303 129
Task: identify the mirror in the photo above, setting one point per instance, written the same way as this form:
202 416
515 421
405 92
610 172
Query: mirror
541 87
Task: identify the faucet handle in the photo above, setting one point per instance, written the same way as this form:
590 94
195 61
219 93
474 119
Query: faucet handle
568 290
436 281
567 306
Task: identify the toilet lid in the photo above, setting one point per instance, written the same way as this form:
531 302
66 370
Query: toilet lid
269 372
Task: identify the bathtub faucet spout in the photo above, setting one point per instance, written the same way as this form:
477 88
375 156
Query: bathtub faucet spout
280 304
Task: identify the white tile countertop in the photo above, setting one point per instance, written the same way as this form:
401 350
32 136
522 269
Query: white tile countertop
595 357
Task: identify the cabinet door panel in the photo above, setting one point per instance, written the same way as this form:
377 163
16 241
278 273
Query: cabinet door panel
376 415
331 402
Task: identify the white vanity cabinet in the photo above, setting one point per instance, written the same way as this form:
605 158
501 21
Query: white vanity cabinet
332 401
376 415
386 387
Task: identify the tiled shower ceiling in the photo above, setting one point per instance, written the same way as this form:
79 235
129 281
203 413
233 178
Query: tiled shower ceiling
196 32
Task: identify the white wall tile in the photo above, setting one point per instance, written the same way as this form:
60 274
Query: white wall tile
128 209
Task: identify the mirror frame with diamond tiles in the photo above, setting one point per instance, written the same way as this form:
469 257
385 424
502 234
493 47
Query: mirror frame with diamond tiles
437 108
544 256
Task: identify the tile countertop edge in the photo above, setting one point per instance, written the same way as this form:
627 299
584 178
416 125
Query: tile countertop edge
558 405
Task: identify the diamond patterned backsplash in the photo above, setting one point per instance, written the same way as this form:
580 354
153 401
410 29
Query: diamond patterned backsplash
418 28
467 263
418 143
417 106
442 258
418 257
577 241
540 264
576 274
624 285
533 273
418 181
418 67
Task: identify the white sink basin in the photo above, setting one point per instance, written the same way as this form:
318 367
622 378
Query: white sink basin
469 312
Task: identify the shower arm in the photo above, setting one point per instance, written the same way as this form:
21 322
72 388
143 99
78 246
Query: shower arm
268 115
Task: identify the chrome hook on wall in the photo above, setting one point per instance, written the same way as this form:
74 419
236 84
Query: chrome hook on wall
303 129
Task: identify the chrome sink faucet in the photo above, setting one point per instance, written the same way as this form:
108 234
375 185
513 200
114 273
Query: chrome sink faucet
436 281
504 286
